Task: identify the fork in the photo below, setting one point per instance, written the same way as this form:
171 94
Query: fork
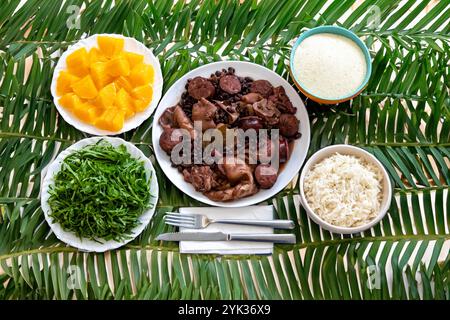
199 221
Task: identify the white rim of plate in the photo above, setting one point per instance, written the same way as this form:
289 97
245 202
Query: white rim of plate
131 45
85 244
262 194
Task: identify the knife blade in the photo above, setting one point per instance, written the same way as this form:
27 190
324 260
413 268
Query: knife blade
220 236
193 236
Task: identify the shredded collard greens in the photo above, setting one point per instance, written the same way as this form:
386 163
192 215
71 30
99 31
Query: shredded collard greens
100 192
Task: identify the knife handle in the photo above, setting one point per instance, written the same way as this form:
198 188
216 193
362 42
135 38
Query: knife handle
275 238
277 224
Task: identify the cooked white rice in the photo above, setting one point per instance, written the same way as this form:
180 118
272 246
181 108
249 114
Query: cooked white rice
344 190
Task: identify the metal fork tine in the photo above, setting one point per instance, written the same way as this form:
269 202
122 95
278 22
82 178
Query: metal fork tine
176 224
190 215
179 217
180 214
173 223
179 222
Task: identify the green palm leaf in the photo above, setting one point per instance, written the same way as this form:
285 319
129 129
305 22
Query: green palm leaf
402 118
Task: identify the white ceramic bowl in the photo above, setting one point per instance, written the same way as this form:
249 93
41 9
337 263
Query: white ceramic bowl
87 244
131 45
357 152
244 69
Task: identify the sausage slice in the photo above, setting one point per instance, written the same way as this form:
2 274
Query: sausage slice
288 125
200 87
230 84
263 87
266 175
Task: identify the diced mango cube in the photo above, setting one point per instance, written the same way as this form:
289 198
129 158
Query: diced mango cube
106 96
133 58
78 62
142 74
123 83
111 120
95 55
117 67
110 46
140 105
86 112
119 119
99 75
125 103
143 93
85 88
64 82
105 120
78 103
96 112
69 101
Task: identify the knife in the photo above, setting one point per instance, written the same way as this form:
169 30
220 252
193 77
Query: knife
220 236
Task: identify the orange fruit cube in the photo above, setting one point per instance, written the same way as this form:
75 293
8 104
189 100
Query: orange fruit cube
142 74
125 103
111 120
118 121
105 120
86 112
117 67
96 112
85 88
133 58
78 103
95 55
106 96
143 93
99 75
140 105
123 83
78 62
69 100
64 82
110 46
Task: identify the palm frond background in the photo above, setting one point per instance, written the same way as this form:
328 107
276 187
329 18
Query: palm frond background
402 118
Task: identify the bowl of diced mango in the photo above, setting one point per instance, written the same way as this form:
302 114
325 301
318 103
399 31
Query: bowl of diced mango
107 84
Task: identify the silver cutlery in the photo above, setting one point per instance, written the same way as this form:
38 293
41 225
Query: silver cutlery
220 236
199 221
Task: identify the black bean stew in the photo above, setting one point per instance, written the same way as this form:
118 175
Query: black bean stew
226 101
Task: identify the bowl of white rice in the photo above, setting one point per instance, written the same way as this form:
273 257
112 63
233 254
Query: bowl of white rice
330 64
345 189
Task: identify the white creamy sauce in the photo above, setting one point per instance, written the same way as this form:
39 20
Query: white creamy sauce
329 66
